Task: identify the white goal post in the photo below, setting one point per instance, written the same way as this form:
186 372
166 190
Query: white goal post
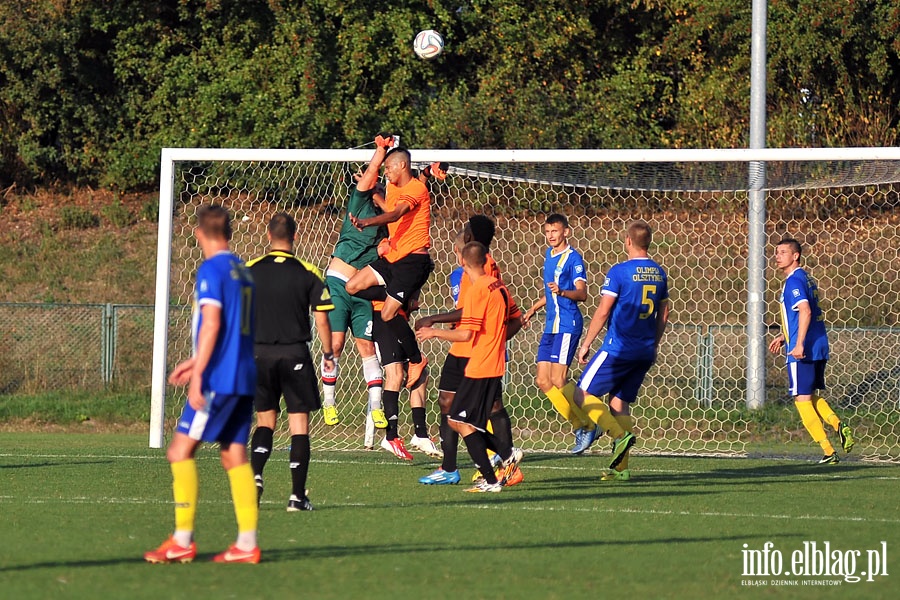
841 203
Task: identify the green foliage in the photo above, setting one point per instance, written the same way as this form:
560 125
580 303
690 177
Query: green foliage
118 214
90 91
77 217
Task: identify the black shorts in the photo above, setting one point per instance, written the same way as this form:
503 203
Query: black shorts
287 371
405 278
474 399
452 373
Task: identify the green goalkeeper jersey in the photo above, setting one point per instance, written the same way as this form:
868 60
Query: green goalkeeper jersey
359 248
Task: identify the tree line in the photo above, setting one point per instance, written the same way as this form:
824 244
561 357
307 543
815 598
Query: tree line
90 90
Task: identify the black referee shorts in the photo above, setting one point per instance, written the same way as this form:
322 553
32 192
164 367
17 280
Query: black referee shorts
286 371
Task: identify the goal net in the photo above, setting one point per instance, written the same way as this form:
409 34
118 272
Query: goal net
842 204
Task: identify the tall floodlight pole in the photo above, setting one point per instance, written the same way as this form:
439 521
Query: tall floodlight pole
756 263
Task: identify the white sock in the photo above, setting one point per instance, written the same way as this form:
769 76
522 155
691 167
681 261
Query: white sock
329 383
374 379
183 537
246 540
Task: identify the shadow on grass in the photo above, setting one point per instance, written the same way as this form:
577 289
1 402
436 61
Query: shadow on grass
274 555
62 463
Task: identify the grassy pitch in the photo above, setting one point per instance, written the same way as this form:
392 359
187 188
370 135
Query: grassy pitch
79 511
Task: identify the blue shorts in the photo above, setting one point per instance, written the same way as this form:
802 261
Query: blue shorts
615 376
558 348
225 419
805 377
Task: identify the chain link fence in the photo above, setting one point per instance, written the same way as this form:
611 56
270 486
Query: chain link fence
75 347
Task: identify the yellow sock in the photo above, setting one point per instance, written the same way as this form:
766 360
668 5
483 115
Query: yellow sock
813 425
562 406
185 489
569 393
243 494
626 422
598 412
825 412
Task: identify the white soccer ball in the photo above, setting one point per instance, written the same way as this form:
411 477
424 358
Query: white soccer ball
428 44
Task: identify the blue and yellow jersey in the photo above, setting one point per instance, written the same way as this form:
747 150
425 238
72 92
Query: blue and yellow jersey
640 286
564 268
224 281
800 287
454 281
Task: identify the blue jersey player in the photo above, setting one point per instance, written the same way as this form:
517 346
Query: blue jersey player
565 286
221 380
634 308
804 338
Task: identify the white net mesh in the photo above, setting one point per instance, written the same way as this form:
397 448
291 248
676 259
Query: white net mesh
847 214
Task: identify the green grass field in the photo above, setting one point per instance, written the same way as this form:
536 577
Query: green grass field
79 510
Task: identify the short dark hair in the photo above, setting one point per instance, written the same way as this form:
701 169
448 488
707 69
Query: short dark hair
640 234
400 151
474 254
556 218
214 221
794 244
481 229
282 227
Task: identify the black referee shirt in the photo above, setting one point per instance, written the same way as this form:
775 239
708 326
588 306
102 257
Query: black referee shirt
287 288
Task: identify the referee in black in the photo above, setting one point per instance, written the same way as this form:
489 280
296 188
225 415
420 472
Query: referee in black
287 288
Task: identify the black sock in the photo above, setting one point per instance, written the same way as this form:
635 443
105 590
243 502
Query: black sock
406 336
390 401
449 444
478 451
260 449
299 464
502 427
418 417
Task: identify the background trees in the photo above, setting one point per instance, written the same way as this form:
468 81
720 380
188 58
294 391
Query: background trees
90 90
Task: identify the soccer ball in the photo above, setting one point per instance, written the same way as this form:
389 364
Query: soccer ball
428 44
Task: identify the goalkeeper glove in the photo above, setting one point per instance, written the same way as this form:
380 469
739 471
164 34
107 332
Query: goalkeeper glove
438 170
385 140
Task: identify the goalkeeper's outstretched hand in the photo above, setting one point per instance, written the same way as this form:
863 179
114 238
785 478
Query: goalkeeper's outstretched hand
438 170
385 140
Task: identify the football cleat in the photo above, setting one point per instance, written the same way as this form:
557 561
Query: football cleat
585 440
379 418
511 464
397 448
426 445
846 434
441 477
330 414
484 486
296 504
830 459
236 555
170 552
414 372
623 475
496 461
515 479
620 447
